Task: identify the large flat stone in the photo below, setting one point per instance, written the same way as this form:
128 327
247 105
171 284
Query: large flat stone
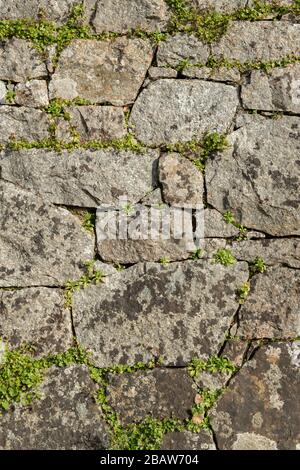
39 244
102 71
259 410
82 178
169 111
54 10
259 41
23 124
65 418
181 47
20 61
277 90
272 308
257 177
93 123
158 393
171 311
120 17
187 440
35 316
33 93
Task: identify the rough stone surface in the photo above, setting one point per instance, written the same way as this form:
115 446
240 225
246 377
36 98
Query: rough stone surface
187 440
181 47
171 311
82 178
182 182
93 123
35 316
120 17
158 393
272 309
53 10
168 111
3 91
257 177
116 70
20 61
259 41
216 227
224 6
65 418
161 72
259 411
21 124
37 241
33 94
221 74
277 90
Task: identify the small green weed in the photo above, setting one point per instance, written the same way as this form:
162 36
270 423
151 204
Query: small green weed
224 257
243 292
258 265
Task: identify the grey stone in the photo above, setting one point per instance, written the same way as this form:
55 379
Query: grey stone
277 90
82 178
171 311
258 41
257 177
102 71
93 123
3 92
272 308
274 251
120 17
33 93
35 316
40 245
65 418
20 61
107 269
182 183
159 393
161 72
181 47
259 411
216 227
187 440
153 198
235 350
23 124
221 74
168 111
53 10
251 3
212 381
224 6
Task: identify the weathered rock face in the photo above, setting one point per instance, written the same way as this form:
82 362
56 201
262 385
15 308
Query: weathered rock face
257 177
116 70
159 393
272 309
221 74
187 440
20 124
182 182
37 241
170 311
35 316
180 47
277 90
54 10
20 61
261 40
216 227
93 123
225 6
67 405
169 111
258 411
113 15
82 178
32 94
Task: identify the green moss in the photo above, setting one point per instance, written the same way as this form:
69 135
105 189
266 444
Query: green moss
213 364
229 218
197 254
258 265
243 292
224 256
92 276
164 261
10 96
89 220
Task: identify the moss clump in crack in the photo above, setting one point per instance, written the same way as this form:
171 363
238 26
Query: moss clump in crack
243 292
256 266
197 254
92 276
198 151
213 364
89 220
57 107
229 218
10 96
205 400
164 261
225 257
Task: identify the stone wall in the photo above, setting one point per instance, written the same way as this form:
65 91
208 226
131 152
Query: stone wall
149 342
